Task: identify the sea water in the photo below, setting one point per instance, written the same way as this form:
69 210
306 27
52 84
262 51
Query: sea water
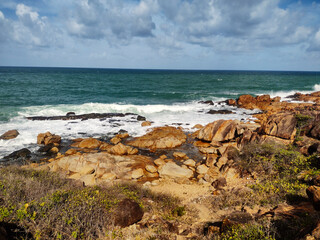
164 97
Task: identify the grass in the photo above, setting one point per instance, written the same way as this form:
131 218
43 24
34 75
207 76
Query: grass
44 205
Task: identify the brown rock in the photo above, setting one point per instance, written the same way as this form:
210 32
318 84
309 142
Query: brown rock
260 102
313 193
9 135
282 125
180 155
90 143
160 138
127 213
115 140
71 151
121 149
231 102
172 170
105 147
221 130
145 124
197 126
48 138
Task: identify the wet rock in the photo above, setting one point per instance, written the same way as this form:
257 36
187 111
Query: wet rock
127 213
84 116
141 118
22 155
9 135
160 138
71 114
220 112
145 124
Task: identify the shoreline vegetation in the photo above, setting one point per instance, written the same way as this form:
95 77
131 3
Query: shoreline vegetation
227 180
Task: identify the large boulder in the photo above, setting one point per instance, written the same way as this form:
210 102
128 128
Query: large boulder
218 131
20 155
90 143
260 102
172 170
9 135
282 125
160 138
47 138
127 213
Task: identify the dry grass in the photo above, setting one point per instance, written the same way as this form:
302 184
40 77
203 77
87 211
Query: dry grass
44 205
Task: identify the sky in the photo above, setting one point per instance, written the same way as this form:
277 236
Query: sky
162 34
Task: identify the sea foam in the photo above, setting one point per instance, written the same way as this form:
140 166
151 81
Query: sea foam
185 115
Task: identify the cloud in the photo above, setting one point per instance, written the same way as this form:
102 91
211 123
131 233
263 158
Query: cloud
111 20
29 30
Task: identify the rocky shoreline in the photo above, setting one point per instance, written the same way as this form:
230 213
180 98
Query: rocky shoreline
168 159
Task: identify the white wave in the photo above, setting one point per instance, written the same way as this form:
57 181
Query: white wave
284 94
316 87
185 115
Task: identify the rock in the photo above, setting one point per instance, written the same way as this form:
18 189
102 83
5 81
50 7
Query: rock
220 112
260 102
127 213
219 183
123 135
47 138
159 162
202 169
105 146
190 163
208 150
145 124
313 193
109 176
54 150
160 138
211 159
137 173
231 102
151 168
221 130
121 149
71 151
172 170
115 140
71 114
9 135
180 155
282 125
90 143
22 154
197 126
88 180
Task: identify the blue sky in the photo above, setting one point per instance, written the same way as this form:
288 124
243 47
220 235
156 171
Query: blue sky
161 34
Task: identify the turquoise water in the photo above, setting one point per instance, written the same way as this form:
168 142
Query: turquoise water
163 97
23 87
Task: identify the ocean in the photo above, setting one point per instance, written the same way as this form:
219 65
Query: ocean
164 97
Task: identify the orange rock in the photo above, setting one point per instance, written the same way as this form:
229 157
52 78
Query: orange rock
146 124
9 135
90 143
121 149
71 151
115 140
221 130
47 138
160 138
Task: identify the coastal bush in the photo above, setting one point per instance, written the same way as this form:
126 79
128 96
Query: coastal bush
276 169
48 206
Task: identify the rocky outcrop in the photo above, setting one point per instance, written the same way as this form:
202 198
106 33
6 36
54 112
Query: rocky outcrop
221 130
47 138
20 155
160 138
282 125
86 116
260 102
9 135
